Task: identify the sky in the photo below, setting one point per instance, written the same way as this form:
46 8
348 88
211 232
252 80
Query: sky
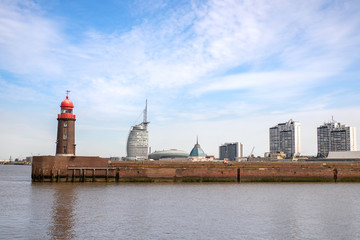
222 70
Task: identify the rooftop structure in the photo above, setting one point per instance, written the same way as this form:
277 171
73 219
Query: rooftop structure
285 137
335 137
138 140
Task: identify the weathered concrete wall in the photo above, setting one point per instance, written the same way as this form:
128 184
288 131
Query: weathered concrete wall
49 167
67 168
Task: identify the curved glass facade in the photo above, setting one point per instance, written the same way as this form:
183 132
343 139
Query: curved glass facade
137 143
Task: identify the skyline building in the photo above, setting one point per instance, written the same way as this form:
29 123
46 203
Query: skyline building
231 151
138 140
285 137
335 137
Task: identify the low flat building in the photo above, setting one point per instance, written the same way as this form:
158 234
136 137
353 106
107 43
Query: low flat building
344 155
275 156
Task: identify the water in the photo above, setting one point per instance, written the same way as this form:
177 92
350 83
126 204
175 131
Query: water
175 211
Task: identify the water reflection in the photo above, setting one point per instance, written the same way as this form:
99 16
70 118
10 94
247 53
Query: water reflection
62 225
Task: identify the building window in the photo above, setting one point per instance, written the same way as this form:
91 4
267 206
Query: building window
65 124
66 110
65 149
65 136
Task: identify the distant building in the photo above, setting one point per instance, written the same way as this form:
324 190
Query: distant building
334 137
138 140
29 159
231 151
275 156
285 137
197 154
348 155
168 154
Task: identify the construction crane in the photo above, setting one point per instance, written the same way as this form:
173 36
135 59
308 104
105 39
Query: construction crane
252 151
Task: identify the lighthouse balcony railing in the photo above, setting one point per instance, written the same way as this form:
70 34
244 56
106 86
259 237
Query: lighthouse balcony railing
67 115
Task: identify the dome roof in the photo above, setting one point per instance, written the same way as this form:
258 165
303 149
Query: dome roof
197 151
172 153
67 103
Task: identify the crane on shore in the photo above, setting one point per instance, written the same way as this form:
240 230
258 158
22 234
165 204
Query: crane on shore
252 151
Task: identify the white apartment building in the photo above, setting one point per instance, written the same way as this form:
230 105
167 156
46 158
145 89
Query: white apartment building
334 137
285 137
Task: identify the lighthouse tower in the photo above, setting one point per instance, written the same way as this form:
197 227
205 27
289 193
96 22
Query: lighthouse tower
65 143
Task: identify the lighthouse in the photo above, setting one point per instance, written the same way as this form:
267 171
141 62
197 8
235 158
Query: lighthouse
65 143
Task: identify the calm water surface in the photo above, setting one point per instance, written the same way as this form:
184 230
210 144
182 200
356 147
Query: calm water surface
175 211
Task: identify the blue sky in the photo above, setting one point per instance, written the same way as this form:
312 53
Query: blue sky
221 70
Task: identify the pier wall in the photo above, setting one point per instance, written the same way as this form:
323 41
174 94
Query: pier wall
85 169
46 168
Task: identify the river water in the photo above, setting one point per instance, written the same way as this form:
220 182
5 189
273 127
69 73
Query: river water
175 211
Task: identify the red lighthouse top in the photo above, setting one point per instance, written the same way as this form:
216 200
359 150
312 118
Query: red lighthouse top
66 108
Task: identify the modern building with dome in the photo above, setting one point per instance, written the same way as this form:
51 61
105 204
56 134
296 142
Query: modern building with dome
197 154
168 154
138 140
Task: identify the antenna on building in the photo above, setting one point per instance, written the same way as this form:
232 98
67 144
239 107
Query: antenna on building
145 113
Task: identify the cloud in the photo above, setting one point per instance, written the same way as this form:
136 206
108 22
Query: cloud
185 46
28 42
261 80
